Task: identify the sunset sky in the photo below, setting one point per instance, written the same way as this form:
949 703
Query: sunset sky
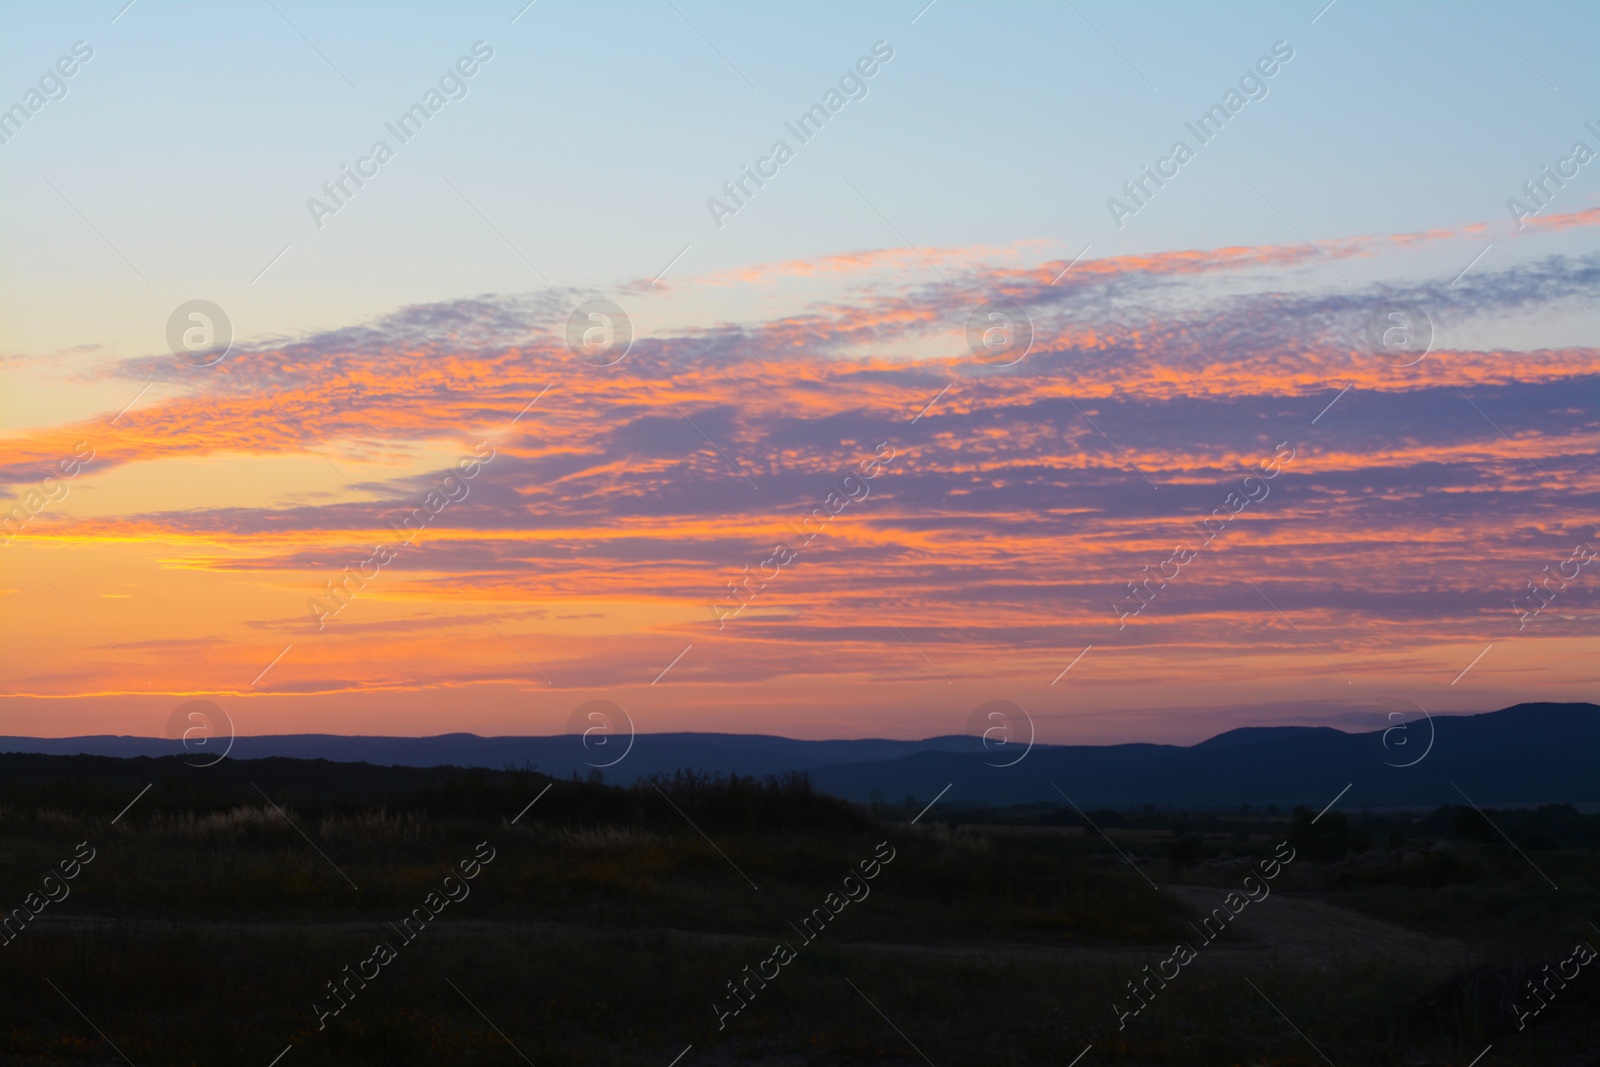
785 351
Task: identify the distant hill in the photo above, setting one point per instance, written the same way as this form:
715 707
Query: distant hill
1526 754
561 756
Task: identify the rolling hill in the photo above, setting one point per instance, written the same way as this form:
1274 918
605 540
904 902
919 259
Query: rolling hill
1525 754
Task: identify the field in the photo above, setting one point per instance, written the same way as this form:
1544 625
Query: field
232 915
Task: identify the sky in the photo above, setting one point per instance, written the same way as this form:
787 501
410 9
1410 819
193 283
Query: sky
1280 437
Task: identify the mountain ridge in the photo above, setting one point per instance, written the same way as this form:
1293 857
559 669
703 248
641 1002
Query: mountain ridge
1556 748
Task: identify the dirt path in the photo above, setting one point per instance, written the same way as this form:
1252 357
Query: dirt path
1305 931
1282 930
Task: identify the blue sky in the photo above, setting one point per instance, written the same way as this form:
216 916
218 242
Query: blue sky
594 137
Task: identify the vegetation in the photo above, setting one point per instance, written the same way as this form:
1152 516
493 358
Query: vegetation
219 906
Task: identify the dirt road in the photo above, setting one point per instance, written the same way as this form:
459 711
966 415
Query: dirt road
1282 930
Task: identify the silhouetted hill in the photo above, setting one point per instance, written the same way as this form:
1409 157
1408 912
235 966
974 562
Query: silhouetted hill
1526 754
560 756
1529 753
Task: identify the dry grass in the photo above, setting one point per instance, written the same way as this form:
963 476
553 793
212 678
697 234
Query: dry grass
236 824
964 838
605 838
380 824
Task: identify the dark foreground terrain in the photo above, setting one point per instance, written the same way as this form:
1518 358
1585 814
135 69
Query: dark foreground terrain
256 912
